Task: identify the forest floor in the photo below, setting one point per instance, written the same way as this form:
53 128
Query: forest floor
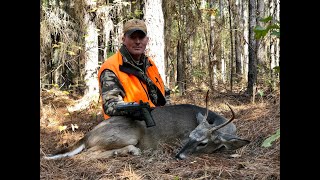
255 122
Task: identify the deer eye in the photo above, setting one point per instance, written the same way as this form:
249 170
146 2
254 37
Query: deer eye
203 143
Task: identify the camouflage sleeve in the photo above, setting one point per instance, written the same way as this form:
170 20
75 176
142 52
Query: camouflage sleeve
167 95
112 93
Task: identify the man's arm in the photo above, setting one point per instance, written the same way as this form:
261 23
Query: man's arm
112 93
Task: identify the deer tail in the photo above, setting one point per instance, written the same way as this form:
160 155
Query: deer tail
68 152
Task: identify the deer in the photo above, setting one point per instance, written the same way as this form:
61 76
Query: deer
199 129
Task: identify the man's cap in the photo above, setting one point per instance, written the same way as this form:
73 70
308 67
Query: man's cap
133 25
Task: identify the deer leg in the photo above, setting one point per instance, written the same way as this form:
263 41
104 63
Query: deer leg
97 154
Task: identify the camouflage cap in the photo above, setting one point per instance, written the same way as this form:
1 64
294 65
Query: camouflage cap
133 25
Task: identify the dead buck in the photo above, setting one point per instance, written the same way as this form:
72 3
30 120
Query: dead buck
120 135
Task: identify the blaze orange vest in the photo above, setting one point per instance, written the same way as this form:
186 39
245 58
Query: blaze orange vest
135 90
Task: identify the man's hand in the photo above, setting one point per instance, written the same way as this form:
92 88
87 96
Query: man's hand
138 111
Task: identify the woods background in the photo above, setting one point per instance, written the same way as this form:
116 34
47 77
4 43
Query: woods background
224 46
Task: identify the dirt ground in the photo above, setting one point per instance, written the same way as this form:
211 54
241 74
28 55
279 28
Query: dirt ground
255 122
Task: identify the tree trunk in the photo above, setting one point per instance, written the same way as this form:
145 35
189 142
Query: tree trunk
261 44
274 47
211 50
118 30
222 51
245 51
231 46
181 67
41 104
237 54
167 28
106 27
153 16
237 40
91 93
252 74
170 43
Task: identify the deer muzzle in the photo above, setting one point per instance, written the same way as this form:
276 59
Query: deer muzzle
188 147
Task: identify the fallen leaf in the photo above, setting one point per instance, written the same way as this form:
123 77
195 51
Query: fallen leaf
62 128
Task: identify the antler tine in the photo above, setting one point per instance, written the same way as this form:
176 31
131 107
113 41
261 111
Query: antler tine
224 124
206 116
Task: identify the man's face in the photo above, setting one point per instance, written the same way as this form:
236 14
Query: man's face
136 43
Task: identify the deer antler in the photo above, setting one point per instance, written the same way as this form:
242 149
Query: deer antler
224 124
206 116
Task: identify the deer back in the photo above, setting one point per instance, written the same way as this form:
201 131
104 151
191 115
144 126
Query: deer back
176 122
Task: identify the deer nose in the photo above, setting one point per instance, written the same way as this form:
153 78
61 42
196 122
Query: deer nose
180 156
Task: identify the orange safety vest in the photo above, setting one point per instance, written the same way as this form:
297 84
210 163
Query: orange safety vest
135 90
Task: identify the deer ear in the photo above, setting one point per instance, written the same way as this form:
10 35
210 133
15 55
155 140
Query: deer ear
236 143
232 142
200 118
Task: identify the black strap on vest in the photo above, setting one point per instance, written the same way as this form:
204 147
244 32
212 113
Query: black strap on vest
155 94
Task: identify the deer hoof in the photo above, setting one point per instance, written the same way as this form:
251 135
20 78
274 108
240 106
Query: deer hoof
134 150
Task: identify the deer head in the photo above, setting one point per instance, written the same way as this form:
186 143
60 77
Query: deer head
206 133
